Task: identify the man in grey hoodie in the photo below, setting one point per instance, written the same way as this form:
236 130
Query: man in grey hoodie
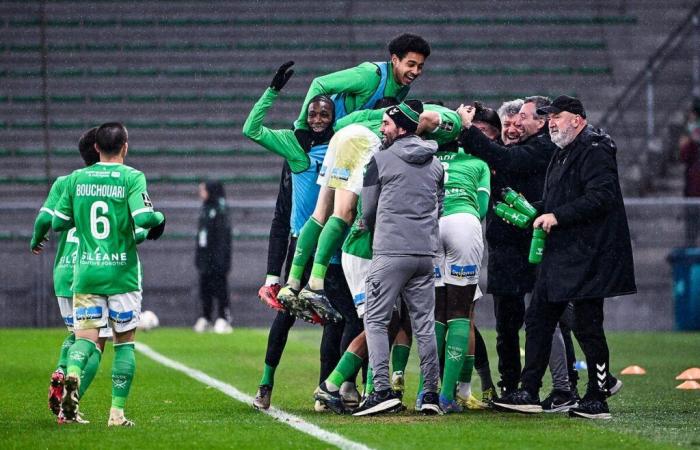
401 200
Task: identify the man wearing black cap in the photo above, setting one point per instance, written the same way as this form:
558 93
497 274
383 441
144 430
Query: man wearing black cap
521 166
401 199
587 256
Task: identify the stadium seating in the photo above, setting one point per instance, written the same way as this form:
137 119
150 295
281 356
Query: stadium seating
183 76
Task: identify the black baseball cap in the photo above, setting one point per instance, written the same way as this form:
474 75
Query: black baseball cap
564 103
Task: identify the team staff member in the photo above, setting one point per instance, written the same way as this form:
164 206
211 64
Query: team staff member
213 257
401 199
521 166
587 257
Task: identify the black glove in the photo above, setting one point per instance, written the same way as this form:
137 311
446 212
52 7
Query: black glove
282 76
156 232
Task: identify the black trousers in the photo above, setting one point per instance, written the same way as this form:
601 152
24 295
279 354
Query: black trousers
541 320
510 315
336 336
214 285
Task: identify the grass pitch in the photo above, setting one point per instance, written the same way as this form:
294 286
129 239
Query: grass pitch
172 410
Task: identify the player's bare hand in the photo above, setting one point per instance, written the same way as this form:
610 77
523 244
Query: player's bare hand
466 113
546 222
282 76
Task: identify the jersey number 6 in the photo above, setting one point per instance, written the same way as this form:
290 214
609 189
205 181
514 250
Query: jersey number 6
101 220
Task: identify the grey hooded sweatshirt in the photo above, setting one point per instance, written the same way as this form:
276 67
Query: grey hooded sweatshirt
402 198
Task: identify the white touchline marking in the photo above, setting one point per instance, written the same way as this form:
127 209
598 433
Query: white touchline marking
286 418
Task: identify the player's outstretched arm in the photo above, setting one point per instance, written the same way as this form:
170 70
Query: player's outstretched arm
63 213
281 142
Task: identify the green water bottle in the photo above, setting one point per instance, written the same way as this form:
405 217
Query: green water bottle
519 202
509 214
537 246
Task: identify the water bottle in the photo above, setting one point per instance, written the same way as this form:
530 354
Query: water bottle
509 214
537 246
519 202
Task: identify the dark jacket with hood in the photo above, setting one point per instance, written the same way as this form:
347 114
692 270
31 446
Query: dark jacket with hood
213 251
521 167
588 254
402 196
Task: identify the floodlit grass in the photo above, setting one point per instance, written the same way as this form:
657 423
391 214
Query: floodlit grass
174 411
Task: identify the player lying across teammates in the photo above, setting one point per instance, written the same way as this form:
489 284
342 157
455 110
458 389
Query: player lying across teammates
347 118
101 212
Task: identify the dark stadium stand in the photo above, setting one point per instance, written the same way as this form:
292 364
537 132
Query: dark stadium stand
183 75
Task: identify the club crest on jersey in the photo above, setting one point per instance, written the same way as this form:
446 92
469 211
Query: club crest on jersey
462 271
146 200
438 275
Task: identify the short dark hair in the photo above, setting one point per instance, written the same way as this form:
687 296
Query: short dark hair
111 137
385 102
86 146
407 42
540 102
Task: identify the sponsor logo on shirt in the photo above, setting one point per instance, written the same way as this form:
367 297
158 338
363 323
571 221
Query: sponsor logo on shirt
462 271
91 312
97 258
340 173
121 317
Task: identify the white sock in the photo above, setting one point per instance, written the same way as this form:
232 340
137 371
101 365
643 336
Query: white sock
272 279
464 389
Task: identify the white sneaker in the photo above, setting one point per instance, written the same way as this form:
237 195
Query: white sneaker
117 419
221 326
201 325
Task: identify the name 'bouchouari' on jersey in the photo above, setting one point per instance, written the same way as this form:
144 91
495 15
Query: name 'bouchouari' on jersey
105 202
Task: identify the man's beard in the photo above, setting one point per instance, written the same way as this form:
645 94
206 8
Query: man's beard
387 141
562 138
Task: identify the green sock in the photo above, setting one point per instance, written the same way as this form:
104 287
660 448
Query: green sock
268 376
329 241
123 368
78 356
399 357
440 333
348 365
369 385
90 371
306 242
465 375
63 356
456 344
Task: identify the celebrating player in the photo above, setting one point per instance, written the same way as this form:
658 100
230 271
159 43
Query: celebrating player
353 89
105 202
63 278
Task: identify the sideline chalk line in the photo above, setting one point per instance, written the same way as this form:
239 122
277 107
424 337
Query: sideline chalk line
284 417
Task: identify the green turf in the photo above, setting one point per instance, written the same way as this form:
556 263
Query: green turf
172 410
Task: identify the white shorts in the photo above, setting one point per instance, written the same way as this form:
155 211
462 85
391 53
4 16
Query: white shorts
65 304
356 270
349 151
120 311
460 251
